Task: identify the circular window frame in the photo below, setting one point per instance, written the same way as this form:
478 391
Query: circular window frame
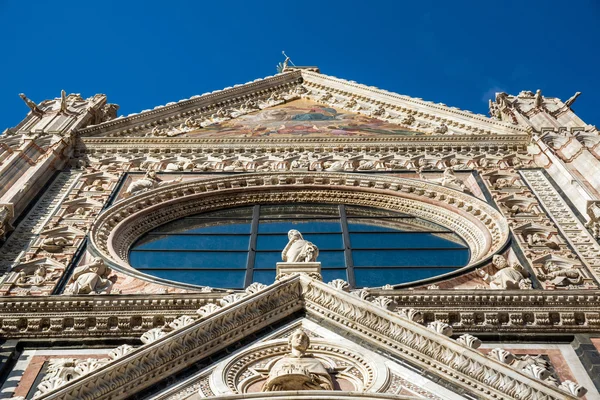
481 226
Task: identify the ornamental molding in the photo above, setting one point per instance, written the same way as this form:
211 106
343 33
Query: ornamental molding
170 112
451 361
102 316
190 114
504 143
483 228
452 116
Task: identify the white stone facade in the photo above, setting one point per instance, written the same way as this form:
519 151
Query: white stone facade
79 186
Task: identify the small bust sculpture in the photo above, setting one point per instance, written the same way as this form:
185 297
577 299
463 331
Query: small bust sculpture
298 249
298 370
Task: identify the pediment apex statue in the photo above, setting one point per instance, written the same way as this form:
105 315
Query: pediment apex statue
298 249
298 370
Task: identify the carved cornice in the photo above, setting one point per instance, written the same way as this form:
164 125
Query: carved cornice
174 352
385 98
102 316
197 108
452 361
192 106
503 143
479 224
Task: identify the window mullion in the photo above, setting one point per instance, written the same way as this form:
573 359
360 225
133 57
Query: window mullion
252 246
347 250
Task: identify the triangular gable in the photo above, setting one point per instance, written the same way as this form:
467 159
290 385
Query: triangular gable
272 93
241 315
300 118
351 366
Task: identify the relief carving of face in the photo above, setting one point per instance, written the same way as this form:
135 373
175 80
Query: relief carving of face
299 340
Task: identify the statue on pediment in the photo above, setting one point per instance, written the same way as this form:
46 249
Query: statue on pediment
298 370
298 249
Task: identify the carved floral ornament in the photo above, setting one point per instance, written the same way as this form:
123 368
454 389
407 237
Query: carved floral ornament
191 340
483 228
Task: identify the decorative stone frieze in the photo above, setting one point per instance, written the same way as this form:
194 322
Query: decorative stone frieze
421 346
573 229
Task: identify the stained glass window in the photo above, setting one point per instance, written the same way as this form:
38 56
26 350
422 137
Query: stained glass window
234 247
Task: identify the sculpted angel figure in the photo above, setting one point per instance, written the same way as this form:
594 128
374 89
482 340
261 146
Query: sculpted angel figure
298 249
92 278
298 370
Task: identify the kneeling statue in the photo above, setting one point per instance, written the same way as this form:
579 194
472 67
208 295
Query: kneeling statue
298 370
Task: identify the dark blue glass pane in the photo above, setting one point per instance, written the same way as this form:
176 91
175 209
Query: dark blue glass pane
194 225
328 259
234 227
264 276
187 259
238 212
401 241
357 225
393 225
311 210
271 226
408 258
331 274
278 242
191 242
359 211
217 279
394 276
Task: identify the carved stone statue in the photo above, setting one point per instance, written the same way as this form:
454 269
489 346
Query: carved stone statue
560 275
298 249
572 99
538 100
5 226
54 244
298 370
32 106
96 185
508 277
450 179
593 212
40 275
149 181
92 278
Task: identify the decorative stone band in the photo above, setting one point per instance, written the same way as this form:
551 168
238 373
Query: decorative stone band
169 354
315 395
505 144
426 348
480 225
584 244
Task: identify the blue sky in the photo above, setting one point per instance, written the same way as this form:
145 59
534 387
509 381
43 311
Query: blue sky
144 54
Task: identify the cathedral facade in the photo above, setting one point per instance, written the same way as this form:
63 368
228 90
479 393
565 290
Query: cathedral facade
300 236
